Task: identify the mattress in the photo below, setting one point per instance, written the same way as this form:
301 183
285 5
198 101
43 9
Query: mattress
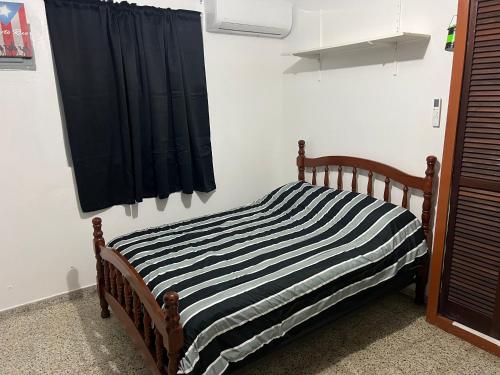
248 276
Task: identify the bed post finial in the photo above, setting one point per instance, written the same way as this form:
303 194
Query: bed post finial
300 159
422 272
98 242
174 331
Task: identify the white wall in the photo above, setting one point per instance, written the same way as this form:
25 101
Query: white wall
260 104
44 234
375 103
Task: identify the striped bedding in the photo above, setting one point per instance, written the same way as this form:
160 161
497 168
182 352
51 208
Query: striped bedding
248 276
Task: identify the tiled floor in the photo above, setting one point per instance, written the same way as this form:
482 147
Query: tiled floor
388 337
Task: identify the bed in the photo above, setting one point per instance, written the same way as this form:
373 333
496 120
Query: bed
209 294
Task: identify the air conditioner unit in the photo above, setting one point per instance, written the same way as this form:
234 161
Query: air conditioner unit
264 18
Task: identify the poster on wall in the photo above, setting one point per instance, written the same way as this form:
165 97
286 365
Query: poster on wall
15 40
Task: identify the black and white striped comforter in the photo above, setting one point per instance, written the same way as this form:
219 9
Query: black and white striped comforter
246 277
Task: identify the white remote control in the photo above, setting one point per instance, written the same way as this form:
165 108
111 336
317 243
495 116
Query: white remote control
436 113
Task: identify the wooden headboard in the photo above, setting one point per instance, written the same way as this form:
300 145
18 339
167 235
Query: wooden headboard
423 184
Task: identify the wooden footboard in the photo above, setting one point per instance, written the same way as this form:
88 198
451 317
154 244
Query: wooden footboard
156 332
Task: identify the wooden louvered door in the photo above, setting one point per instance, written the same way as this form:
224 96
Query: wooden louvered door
470 289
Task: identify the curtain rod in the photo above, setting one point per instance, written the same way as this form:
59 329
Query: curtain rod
111 1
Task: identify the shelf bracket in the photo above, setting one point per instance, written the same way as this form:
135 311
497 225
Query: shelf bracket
320 68
396 60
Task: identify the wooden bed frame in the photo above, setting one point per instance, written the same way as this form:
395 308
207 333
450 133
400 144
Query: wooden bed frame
157 332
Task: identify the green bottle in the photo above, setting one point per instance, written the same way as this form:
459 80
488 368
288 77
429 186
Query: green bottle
450 41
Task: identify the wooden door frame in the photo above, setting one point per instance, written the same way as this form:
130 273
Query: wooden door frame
442 212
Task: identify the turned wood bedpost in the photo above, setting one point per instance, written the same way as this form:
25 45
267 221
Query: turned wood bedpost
422 272
174 331
98 242
300 160
426 206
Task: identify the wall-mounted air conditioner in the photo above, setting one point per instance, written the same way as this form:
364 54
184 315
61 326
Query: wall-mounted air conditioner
264 18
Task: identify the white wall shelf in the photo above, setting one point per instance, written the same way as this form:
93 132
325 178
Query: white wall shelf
386 40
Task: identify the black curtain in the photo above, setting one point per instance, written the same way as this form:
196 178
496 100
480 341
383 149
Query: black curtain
132 80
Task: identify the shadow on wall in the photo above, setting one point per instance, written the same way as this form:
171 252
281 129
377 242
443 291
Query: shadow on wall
364 57
186 199
111 349
73 283
132 210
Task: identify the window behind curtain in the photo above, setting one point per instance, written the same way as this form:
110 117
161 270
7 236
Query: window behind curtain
133 86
